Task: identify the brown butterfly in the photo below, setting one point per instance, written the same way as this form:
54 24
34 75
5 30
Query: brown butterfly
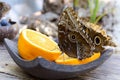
79 38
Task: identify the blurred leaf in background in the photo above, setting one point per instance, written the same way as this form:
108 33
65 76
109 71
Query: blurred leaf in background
94 8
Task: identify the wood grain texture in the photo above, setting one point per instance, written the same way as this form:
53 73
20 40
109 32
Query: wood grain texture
109 70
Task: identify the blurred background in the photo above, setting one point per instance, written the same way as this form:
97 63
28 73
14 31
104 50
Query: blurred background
42 15
23 7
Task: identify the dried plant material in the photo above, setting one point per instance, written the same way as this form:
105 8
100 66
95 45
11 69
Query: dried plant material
55 6
4 8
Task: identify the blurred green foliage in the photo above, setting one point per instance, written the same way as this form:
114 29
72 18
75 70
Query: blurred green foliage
94 8
75 4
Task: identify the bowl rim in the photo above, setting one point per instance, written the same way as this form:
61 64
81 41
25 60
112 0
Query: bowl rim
12 49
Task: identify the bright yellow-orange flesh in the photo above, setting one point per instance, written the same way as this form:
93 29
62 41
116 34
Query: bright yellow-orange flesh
32 44
66 60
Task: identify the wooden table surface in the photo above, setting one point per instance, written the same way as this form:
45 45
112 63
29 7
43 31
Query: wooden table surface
109 70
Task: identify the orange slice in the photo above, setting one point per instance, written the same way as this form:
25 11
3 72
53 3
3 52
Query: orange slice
32 44
66 60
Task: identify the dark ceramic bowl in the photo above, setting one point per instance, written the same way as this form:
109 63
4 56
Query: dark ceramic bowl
44 69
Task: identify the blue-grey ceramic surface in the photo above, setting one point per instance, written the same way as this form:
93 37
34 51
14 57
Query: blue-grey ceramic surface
44 69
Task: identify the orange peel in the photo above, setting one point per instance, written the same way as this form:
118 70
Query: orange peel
66 60
32 44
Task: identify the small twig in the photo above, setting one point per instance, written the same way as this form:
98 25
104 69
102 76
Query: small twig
96 21
75 4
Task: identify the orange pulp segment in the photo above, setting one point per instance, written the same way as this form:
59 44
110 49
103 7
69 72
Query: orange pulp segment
66 60
32 44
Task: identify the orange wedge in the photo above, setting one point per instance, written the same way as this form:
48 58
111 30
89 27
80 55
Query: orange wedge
32 44
66 60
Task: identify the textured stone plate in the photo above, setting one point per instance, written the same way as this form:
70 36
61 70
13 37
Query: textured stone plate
44 69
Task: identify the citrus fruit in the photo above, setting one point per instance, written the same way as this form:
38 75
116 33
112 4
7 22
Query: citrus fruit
66 60
32 44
